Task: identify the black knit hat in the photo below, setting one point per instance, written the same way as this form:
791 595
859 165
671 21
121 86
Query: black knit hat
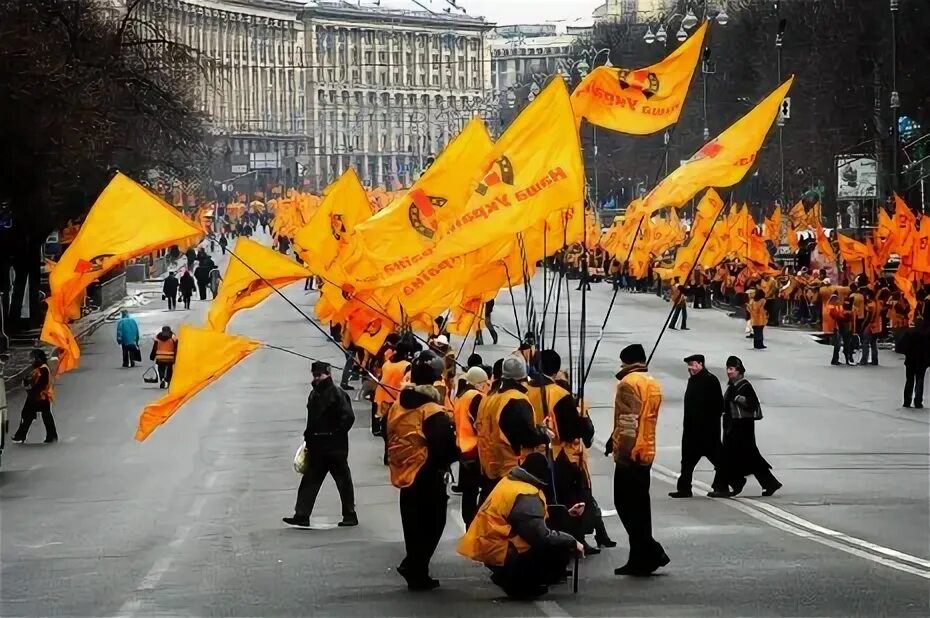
736 363
320 367
497 369
537 465
551 362
475 360
633 354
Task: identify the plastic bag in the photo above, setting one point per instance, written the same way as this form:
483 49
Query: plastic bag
300 459
151 375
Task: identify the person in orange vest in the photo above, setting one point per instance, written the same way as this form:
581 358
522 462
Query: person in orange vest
633 445
393 375
507 431
39 397
476 386
758 318
164 353
872 326
680 302
842 317
511 538
421 448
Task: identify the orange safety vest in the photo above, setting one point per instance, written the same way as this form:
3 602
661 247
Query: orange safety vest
465 435
47 393
554 394
649 392
757 312
406 443
392 375
574 450
490 537
494 451
876 325
166 351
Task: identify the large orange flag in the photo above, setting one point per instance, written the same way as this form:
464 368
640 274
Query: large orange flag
723 161
907 290
707 213
533 170
203 357
857 255
410 222
921 252
126 221
904 227
639 101
823 243
773 227
799 217
241 288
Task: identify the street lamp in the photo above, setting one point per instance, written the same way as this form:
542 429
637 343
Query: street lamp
690 20
895 97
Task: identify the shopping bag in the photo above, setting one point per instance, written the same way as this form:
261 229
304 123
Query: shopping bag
300 459
151 375
135 354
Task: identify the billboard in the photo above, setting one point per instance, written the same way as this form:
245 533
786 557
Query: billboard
856 177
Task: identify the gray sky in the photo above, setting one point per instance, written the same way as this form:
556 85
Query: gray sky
513 11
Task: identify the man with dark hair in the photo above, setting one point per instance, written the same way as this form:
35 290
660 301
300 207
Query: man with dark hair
329 419
633 445
915 345
701 434
421 448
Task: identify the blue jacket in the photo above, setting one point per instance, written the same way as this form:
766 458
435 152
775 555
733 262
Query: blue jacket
127 332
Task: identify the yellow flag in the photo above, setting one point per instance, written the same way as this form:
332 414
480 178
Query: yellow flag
798 217
344 206
639 101
203 357
241 288
823 243
57 333
410 222
857 255
773 227
723 161
707 212
905 223
533 170
126 221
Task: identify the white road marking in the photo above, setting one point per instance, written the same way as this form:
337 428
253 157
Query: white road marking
70 439
34 467
197 506
155 574
90 419
181 535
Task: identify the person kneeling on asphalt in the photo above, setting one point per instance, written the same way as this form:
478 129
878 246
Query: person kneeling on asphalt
329 419
509 535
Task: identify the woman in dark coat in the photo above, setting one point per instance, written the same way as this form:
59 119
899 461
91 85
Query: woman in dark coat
741 411
186 285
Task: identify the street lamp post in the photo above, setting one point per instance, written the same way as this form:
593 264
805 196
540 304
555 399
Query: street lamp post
895 97
779 40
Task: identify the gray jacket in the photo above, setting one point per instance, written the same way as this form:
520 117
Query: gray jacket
528 517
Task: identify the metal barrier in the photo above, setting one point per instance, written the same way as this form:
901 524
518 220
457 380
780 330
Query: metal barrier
109 292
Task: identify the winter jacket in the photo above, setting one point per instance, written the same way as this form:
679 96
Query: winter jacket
170 288
127 332
187 285
329 419
528 517
636 412
915 345
703 407
165 348
517 421
438 430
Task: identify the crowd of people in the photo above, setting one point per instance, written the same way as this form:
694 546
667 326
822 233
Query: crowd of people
521 441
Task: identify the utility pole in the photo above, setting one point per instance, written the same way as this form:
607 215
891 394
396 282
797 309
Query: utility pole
895 98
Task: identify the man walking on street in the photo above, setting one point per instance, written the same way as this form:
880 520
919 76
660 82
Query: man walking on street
187 285
872 327
915 345
127 337
329 419
633 445
39 397
680 302
170 291
164 353
701 434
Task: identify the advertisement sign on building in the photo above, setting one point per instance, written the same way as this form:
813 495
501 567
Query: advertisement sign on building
856 177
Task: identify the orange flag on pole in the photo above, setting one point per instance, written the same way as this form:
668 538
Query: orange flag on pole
241 288
639 101
905 223
707 212
203 357
921 251
823 243
722 162
857 255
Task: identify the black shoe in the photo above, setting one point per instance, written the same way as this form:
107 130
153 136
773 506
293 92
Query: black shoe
719 493
738 488
125 366
672 328
834 362
297 522
494 338
50 440
770 491
422 585
589 550
347 387
631 570
685 328
680 494
918 406
349 521
605 541
906 405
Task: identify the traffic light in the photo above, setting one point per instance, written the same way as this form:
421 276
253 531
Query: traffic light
784 112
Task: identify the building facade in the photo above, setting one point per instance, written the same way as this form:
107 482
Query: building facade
632 10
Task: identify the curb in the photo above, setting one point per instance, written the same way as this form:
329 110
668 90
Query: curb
14 382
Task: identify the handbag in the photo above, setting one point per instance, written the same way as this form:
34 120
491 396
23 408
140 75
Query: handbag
151 375
135 354
300 459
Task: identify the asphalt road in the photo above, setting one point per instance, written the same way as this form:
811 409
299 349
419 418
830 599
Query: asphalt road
188 523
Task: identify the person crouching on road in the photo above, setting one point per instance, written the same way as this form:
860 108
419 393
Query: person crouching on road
164 353
421 449
507 431
477 384
633 444
39 397
329 419
509 534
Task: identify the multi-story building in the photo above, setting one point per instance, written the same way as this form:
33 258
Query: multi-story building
389 88
631 10
321 86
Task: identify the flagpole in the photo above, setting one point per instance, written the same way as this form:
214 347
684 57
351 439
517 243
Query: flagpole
697 259
542 322
584 298
568 321
513 301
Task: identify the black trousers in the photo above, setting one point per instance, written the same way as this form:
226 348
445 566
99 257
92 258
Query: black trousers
127 358
523 574
165 371
318 466
680 310
187 301
758 341
423 517
172 301
631 497
914 384
470 484
202 288
692 451
30 411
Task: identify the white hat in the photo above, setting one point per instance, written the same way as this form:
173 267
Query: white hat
442 340
476 376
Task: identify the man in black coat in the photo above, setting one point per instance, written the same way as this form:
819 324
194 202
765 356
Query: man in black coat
701 434
915 345
329 419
